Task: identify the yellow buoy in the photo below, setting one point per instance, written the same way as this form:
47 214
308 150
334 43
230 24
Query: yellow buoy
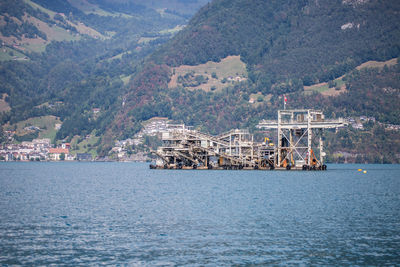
359 170
364 171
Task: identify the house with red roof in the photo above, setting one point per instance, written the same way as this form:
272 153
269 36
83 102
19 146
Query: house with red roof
58 153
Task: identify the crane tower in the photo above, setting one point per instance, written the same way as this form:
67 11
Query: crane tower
300 138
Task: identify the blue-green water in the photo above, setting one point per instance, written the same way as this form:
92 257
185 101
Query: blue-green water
126 214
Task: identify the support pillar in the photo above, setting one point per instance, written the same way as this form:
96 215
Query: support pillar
279 139
309 137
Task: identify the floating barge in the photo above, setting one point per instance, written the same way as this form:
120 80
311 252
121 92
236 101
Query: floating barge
299 145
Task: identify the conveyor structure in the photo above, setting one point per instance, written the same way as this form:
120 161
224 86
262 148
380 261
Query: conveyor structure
299 145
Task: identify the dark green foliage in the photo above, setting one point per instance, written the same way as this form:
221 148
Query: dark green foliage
143 100
13 8
26 29
59 6
372 92
285 44
3 138
27 137
16 9
289 40
191 80
374 145
225 109
79 74
75 125
127 7
72 78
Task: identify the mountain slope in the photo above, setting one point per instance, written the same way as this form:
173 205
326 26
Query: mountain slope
285 45
312 41
58 52
278 46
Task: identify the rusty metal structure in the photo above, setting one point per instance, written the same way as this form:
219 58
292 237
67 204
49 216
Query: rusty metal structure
299 145
185 148
300 137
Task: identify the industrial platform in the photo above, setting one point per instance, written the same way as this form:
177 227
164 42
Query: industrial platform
298 145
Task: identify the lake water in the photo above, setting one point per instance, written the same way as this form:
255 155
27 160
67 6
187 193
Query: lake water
126 214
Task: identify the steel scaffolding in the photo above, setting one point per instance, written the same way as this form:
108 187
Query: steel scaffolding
300 137
299 145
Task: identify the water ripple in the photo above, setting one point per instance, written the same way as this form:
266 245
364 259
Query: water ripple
125 214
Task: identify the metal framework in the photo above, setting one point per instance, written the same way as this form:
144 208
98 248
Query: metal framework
300 142
185 148
299 145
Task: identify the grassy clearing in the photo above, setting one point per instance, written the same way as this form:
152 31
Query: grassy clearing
320 87
84 145
104 13
377 64
36 6
229 67
173 30
125 79
257 99
88 8
119 56
91 8
52 32
339 82
83 29
145 40
7 53
84 6
4 106
60 34
324 89
57 33
45 123
38 48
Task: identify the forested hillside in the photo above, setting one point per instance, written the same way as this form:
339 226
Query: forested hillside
286 46
65 58
302 41
116 66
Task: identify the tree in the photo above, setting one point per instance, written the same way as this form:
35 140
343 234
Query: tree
62 156
3 138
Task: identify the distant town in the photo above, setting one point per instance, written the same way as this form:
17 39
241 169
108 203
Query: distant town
44 150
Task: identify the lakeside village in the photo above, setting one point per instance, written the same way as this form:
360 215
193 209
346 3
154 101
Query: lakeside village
44 150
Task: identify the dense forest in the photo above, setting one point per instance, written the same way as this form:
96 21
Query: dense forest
294 42
285 45
303 41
